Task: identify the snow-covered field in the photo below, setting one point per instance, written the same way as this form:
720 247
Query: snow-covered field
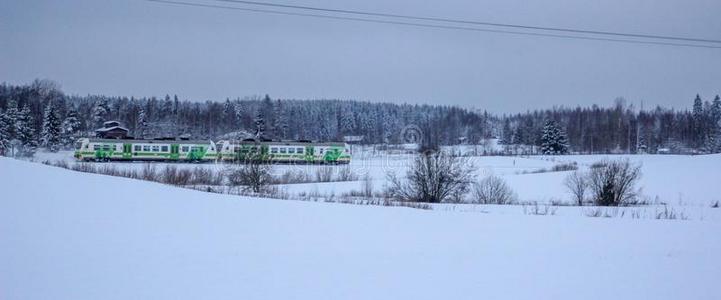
671 179
70 235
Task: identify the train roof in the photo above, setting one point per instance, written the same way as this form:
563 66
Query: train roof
134 141
285 143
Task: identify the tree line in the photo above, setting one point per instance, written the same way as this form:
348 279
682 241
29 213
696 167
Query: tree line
39 114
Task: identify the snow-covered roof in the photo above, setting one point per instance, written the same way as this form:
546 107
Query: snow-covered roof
104 129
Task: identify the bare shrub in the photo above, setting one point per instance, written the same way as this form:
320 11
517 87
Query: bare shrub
577 184
84 167
346 174
206 176
324 174
149 173
254 175
669 214
613 184
593 213
433 177
176 176
493 190
715 205
572 166
291 176
539 210
556 168
598 165
62 164
368 186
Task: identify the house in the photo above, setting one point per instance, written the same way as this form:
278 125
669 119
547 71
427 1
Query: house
112 130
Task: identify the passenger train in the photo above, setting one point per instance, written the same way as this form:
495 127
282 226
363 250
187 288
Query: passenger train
95 149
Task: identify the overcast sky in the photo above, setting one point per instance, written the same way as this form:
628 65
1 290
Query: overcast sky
139 48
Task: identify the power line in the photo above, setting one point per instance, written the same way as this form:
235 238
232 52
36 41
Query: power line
459 21
450 27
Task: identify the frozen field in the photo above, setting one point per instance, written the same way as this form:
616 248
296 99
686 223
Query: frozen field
70 235
671 179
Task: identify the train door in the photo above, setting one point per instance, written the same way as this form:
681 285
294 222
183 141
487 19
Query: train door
127 151
309 152
174 155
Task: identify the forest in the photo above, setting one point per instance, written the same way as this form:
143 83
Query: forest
39 114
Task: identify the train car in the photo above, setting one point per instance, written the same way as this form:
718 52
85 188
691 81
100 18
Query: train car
92 149
285 151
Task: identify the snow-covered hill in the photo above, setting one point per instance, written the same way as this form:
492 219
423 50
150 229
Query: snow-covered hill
69 235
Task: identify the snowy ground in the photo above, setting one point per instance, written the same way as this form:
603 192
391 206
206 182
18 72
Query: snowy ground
70 235
672 179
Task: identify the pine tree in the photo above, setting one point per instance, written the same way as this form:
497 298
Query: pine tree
70 128
50 134
268 120
25 133
142 124
281 121
259 123
100 113
5 130
714 139
553 140
699 121
11 115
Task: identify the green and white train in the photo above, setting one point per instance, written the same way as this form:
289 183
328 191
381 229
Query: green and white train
93 149
285 151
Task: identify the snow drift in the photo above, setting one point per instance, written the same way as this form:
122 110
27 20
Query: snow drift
68 235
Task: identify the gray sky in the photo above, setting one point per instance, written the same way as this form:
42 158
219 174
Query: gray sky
139 48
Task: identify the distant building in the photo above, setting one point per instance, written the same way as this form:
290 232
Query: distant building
353 138
112 130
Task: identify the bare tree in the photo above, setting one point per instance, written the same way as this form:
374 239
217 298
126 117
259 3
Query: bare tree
493 190
577 184
433 177
614 183
253 175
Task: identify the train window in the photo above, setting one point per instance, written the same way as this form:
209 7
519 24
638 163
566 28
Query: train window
273 149
156 148
282 149
78 145
193 149
146 148
299 150
97 147
184 148
137 148
321 151
106 147
291 150
164 148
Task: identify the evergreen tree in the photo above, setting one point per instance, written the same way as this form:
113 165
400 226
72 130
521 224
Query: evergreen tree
25 133
266 113
11 116
229 116
699 121
50 134
142 124
101 111
713 144
259 125
70 128
281 121
553 141
5 130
